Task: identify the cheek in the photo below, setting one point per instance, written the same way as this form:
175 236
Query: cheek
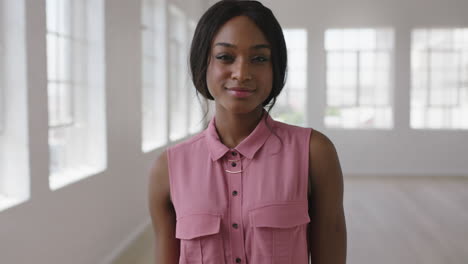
265 79
215 74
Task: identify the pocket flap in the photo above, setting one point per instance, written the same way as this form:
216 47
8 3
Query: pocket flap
196 225
280 215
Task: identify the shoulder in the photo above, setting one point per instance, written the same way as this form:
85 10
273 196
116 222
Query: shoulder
324 165
159 181
320 146
159 188
160 164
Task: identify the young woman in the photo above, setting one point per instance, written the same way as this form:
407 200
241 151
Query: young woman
247 189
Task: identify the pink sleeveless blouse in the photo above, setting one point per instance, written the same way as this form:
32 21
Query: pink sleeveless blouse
247 204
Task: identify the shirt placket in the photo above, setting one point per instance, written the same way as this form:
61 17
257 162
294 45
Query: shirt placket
233 168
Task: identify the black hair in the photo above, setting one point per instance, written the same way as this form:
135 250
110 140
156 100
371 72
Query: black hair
210 23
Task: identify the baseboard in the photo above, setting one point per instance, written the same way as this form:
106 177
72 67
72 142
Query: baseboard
126 243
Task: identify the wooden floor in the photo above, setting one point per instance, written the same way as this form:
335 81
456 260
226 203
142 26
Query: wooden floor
407 220
390 220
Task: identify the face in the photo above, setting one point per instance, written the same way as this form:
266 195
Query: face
240 59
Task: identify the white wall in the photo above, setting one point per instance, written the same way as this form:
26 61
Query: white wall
87 222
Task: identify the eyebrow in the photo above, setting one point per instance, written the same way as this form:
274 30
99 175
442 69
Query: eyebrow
256 47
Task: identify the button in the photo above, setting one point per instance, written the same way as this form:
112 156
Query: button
233 164
235 226
234 153
238 260
234 193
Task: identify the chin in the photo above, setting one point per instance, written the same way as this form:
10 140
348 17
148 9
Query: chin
240 108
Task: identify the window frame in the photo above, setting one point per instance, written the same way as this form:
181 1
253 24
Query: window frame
2 72
284 110
77 148
194 112
177 67
155 61
357 88
68 39
426 75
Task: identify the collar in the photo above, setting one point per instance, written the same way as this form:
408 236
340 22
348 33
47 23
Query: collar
247 147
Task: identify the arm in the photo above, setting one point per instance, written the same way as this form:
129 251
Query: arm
163 217
326 232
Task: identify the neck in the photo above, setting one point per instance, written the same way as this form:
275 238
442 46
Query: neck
232 128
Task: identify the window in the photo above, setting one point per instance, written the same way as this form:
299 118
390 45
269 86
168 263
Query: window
290 105
154 103
359 78
2 72
14 160
2 107
195 109
178 74
439 71
75 73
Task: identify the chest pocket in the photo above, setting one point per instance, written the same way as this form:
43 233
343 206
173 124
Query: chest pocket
200 239
277 231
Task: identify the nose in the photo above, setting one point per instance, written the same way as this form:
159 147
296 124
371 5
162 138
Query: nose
241 71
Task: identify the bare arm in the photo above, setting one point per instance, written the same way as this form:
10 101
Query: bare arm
327 229
163 217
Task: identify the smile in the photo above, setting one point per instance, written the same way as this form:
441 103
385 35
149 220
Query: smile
240 93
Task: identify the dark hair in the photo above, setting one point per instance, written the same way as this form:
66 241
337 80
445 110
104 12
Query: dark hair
213 19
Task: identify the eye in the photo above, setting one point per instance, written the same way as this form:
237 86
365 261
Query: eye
260 59
225 57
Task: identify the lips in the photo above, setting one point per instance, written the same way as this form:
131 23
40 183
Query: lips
240 89
240 92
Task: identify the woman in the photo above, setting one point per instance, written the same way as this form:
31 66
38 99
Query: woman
247 189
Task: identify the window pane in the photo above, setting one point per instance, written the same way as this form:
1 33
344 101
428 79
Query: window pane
75 69
52 57
64 17
358 77
439 73
2 85
178 74
154 86
290 105
195 109
52 15
53 99
64 58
